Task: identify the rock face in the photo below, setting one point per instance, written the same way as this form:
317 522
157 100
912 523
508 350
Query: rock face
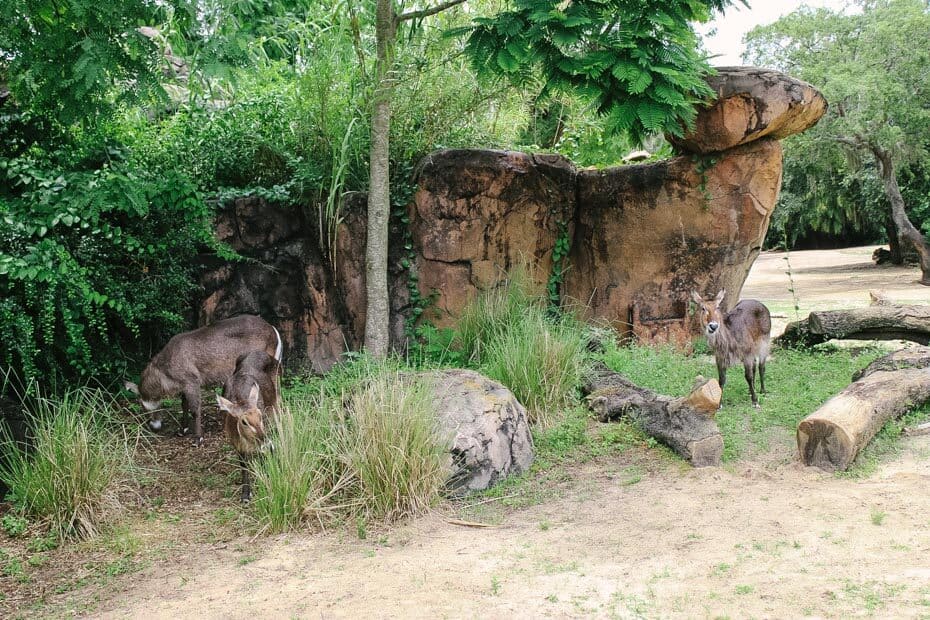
478 214
647 235
752 103
289 278
642 236
490 433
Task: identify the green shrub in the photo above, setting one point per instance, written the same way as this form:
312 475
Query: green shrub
542 361
79 460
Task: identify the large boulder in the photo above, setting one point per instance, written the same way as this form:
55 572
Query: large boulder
751 104
489 432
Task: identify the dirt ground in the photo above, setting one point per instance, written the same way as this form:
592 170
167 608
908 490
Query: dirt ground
767 538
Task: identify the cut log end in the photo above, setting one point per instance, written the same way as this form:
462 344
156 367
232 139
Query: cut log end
705 397
824 444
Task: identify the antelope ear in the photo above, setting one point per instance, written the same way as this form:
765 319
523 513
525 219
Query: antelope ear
253 395
224 405
697 298
720 295
132 387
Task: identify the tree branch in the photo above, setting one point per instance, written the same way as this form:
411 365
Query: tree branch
427 12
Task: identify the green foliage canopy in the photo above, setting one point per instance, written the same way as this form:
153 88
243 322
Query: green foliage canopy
872 71
639 62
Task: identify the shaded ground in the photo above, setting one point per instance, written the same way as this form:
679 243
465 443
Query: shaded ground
625 535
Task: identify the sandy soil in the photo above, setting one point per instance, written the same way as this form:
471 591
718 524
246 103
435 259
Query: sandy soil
767 538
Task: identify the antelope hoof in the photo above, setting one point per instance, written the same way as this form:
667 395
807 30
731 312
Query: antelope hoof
246 497
198 442
155 425
184 430
756 406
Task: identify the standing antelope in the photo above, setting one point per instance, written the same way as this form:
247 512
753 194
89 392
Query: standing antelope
204 357
250 397
740 335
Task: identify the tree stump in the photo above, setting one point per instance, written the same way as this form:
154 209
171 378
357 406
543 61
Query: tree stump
832 436
686 425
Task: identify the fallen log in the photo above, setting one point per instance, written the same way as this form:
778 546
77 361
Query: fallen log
686 425
880 321
832 436
884 322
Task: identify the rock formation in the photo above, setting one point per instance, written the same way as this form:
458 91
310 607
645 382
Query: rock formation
489 433
642 236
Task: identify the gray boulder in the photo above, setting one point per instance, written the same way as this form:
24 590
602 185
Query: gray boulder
490 433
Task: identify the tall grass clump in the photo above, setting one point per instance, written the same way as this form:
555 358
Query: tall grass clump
78 460
399 452
509 335
364 442
306 474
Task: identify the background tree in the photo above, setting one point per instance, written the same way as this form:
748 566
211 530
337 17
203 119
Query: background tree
874 76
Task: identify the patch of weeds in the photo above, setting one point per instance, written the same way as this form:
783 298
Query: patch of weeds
744 589
495 586
877 516
552 568
544 526
37 559
721 569
361 527
247 559
122 566
13 524
43 543
552 598
872 595
225 516
12 567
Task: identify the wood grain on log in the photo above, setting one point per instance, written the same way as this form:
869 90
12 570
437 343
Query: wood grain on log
690 432
832 436
874 323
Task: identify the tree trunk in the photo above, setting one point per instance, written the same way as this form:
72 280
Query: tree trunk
894 244
832 436
907 233
685 425
377 334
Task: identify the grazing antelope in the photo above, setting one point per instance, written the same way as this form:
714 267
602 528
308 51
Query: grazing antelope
738 336
250 397
204 357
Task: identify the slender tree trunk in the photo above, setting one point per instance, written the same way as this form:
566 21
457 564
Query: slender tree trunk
377 333
907 233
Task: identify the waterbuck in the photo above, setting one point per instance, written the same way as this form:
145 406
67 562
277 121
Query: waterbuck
204 357
738 336
250 396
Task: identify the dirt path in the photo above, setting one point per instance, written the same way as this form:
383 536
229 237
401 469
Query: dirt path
762 539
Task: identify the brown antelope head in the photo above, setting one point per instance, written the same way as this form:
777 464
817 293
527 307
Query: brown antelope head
710 311
245 423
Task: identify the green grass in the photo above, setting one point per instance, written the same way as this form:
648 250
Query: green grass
80 459
797 382
508 334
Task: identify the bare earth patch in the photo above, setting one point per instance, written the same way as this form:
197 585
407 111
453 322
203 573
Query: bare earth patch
631 535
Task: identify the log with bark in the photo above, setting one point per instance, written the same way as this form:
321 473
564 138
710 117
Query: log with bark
880 322
686 425
832 436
